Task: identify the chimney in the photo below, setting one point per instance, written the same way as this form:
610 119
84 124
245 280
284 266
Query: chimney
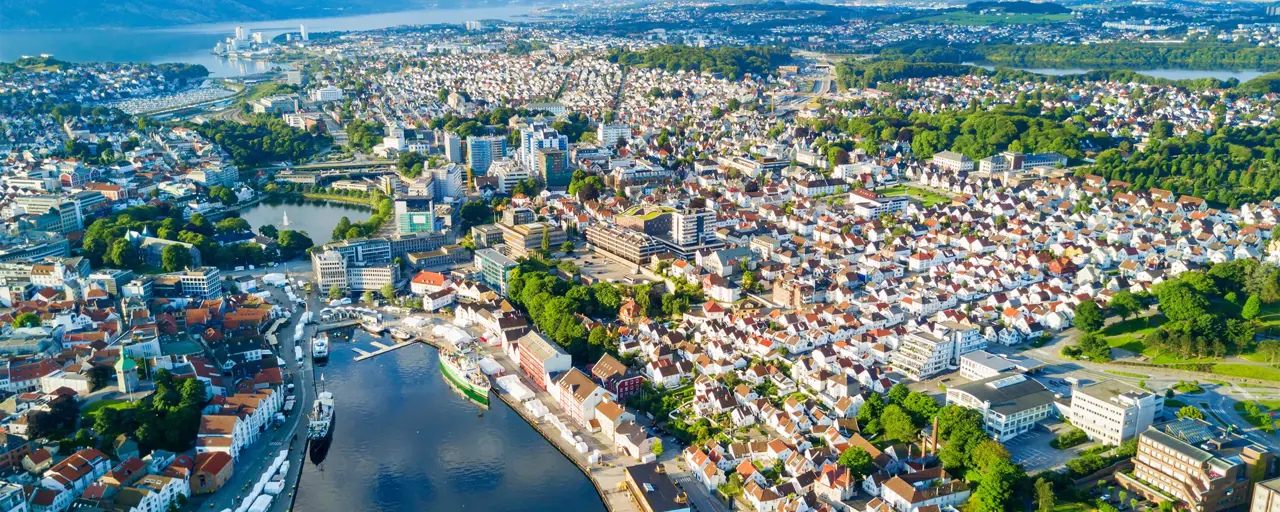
933 441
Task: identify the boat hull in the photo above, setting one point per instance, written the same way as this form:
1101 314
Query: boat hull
472 391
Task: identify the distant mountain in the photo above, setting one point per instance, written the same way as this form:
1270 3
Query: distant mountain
85 14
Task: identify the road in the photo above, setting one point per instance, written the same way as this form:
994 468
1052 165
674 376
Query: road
253 460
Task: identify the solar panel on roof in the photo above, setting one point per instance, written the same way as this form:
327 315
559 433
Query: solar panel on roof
1190 431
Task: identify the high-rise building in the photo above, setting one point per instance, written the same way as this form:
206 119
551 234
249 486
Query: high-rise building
481 150
508 173
538 136
448 180
302 29
453 147
242 34
553 167
692 226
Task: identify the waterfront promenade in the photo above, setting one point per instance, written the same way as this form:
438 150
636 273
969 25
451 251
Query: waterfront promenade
607 474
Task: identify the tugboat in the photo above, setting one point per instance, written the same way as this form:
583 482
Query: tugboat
320 348
462 370
320 426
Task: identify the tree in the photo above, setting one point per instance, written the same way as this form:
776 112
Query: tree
858 461
26 320
99 377
388 291
268 231
1252 307
657 447
1089 316
898 393
122 254
335 293
369 296
1190 411
921 406
546 240
1044 496
567 247
174 258
897 424
996 489
233 225
1125 304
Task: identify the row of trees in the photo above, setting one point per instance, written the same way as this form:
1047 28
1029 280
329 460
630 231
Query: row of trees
1203 55
383 210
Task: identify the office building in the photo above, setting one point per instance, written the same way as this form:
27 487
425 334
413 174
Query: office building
494 269
1197 464
648 219
326 94
1112 412
414 216
200 283
332 269
481 151
302 32
693 226
215 175
486 235
523 239
1009 403
448 181
624 245
518 216
981 364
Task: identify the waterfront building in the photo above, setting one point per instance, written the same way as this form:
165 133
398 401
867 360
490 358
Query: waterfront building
225 433
1197 464
652 489
494 268
1112 412
212 471
578 395
482 150
617 377
1009 403
540 358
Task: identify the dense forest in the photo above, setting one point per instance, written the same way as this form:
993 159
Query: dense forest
1230 167
854 74
264 139
1133 55
732 62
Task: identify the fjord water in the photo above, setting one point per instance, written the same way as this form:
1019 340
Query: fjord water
192 44
405 440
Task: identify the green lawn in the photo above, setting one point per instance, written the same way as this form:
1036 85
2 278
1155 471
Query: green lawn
90 412
1128 335
1128 374
1247 371
1174 403
1188 387
1259 420
924 196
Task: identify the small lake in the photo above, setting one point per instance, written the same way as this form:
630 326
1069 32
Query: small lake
404 439
317 218
1170 74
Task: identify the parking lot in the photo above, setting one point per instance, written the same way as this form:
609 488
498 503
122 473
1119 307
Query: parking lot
597 266
1031 449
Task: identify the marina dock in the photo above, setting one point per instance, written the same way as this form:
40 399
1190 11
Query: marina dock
336 325
382 349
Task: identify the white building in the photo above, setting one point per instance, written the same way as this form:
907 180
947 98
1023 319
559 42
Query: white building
1113 412
1010 404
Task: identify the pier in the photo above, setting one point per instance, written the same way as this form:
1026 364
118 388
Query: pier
382 349
336 325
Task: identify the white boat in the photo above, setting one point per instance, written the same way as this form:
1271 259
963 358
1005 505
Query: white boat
372 325
321 418
320 347
400 334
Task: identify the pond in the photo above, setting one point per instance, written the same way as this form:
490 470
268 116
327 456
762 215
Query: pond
317 218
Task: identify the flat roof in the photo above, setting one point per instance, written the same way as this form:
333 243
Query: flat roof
655 488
